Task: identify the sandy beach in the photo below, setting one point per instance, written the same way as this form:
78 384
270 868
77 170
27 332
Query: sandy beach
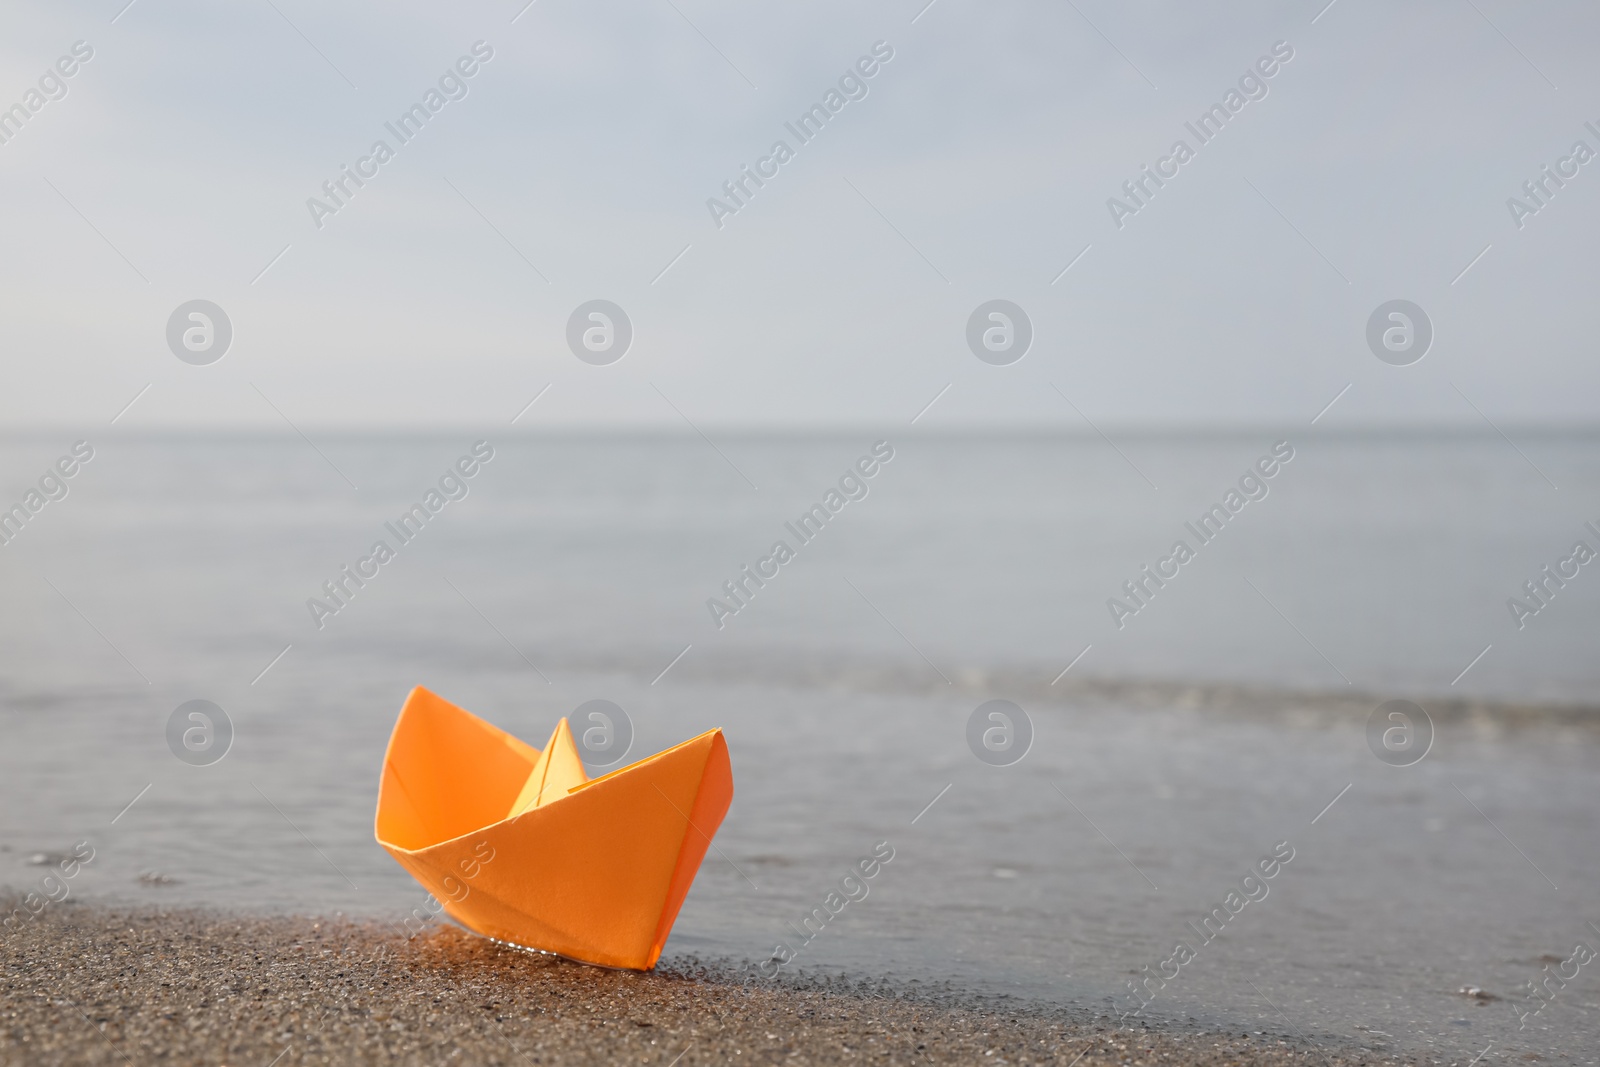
92 985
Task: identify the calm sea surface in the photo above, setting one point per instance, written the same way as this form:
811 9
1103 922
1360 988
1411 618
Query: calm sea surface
1220 720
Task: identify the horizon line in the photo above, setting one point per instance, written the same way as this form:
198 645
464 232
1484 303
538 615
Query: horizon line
1461 427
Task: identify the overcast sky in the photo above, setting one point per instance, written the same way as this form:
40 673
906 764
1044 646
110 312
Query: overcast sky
179 162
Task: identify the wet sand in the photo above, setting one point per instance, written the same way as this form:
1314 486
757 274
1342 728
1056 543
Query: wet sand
86 984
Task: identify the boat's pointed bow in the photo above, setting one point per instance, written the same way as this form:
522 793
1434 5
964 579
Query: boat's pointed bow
711 803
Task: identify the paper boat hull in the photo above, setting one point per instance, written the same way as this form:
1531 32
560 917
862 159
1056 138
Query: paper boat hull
597 876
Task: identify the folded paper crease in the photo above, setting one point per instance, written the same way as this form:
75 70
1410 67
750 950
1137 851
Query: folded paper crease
520 845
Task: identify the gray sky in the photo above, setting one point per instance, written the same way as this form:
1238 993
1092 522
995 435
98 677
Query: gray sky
978 165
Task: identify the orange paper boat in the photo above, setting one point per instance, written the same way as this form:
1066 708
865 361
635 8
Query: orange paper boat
521 846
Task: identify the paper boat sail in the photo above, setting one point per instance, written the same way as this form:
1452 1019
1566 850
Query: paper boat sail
521 846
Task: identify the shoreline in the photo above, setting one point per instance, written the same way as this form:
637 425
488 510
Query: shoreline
103 984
